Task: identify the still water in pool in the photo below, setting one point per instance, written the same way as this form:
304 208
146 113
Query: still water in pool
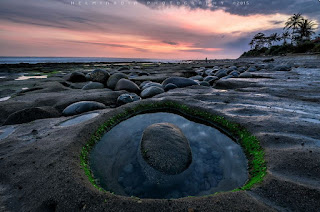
218 163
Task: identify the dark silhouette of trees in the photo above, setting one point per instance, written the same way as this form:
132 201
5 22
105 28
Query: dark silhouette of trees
306 29
285 36
297 28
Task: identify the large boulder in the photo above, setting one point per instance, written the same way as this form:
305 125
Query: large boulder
93 85
114 78
180 82
82 107
127 98
151 91
77 77
99 76
127 85
31 114
165 148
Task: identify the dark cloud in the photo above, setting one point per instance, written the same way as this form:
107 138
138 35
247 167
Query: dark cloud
108 45
242 7
170 43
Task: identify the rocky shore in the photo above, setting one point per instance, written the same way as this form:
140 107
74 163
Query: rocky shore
276 99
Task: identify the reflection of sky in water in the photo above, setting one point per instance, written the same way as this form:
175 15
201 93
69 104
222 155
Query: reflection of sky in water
6 131
218 162
31 77
78 119
4 98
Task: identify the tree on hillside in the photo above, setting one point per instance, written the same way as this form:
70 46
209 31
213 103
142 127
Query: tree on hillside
306 29
258 41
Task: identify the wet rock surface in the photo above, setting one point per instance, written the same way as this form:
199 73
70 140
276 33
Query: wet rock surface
281 108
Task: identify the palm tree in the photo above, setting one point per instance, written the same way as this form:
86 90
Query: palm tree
273 38
259 40
293 23
306 29
285 36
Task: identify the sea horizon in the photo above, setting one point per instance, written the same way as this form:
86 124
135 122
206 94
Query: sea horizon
35 60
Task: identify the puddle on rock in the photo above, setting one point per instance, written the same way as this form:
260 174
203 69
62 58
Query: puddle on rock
218 163
31 77
78 119
5 98
6 131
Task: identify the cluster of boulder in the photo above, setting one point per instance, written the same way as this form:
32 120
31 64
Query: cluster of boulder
117 81
137 89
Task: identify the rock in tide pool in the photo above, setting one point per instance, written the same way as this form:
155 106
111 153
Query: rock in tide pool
165 148
180 82
127 85
81 107
93 85
99 76
127 98
151 91
77 77
31 114
170 86
114 78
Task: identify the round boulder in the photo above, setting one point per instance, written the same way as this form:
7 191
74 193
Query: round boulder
151 84
99 76
31 114
127 85
282 67
180 82
151 91
77 77
170 86
221 73
93 85
245 75
211 79
198 77
82 107
165 148
127 98
114 78
204 83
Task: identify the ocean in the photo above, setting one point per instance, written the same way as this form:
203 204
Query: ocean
34 60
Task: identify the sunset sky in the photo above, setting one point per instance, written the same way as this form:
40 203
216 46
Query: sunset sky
141 29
